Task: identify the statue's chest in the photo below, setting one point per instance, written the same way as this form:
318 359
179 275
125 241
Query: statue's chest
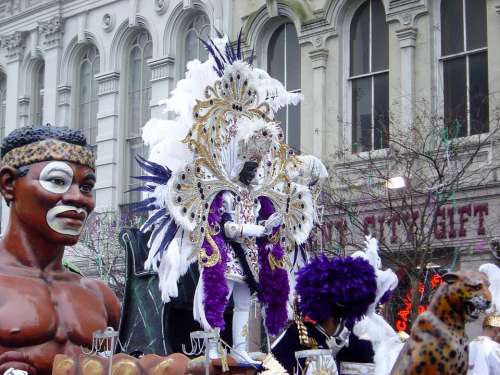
34 311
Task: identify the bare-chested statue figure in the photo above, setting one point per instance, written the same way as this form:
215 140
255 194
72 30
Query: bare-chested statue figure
47 175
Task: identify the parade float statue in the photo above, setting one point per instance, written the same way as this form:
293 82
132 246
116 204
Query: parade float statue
219 192
438 343
46 178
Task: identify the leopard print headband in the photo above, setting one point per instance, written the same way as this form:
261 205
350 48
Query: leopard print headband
49 149
492 320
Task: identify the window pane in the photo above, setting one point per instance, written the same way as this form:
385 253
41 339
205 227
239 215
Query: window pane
361 114
452 34
380 37
293 136
191 45
292 58
360 40
475 13
85 77
199 27
381 108
276 54
38 87
455 96
204 33
478 93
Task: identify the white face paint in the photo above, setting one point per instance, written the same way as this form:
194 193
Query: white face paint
56 177
66 219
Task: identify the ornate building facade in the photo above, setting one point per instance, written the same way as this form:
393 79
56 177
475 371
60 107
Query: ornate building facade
103 65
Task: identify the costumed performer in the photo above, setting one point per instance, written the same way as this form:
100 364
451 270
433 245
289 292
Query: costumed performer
484 351
47 176
385 341
332 295
229 204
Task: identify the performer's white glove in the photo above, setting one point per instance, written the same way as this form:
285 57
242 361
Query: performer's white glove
338 342
272 222
234 231
252 230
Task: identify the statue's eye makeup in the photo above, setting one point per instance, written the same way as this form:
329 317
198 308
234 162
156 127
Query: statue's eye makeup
56 177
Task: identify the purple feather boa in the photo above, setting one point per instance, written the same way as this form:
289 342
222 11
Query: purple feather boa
215 289
273 284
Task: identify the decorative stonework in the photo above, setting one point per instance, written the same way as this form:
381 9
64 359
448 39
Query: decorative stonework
63 95
497 9
187 4
272 8
24 106
14 45
406 11
108 22
51 31
319 58
108 83
161 68
161 6
318 42
407 37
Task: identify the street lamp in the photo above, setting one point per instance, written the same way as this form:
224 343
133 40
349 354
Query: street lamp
398 182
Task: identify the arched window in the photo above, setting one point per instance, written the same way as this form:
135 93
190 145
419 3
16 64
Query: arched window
37 93
464 55
87 101
3 98
138 107
198 27
283 63
369 76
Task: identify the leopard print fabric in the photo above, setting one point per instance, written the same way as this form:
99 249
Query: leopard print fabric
438 344
49 149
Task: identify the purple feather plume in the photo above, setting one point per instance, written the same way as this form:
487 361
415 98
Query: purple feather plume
341 287
215 289
273 284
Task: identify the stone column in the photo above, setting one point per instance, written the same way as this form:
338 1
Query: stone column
64 106
13 46
319 58
407 40
24 111
50 36
161 83
108 147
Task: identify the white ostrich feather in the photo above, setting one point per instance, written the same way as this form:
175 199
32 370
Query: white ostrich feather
493 272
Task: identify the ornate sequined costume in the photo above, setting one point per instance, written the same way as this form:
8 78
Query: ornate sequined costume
203 207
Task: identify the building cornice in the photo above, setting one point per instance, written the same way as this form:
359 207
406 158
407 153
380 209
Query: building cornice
28 11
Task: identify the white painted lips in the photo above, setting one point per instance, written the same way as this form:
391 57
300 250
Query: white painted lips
66 219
